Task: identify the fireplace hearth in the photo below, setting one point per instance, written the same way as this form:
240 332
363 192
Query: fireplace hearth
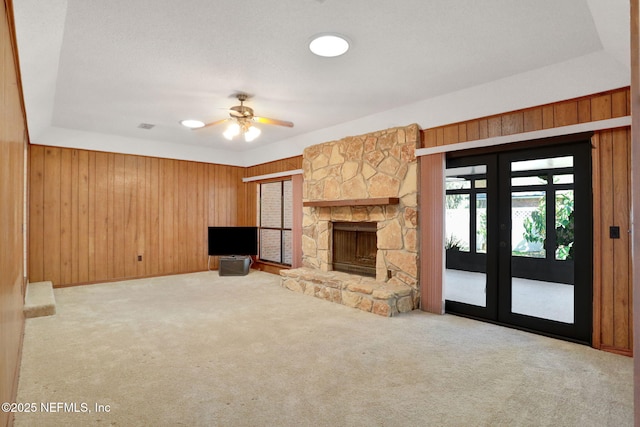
355 247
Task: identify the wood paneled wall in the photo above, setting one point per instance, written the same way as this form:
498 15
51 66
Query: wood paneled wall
612 273
291 163
612 278
601 106
98 216
12 184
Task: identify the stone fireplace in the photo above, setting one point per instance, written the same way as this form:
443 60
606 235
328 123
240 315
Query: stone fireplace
367 182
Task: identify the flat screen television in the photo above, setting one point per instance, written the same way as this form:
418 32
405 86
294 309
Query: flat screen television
233 241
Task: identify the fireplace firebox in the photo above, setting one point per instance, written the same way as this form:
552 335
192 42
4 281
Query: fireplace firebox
355 247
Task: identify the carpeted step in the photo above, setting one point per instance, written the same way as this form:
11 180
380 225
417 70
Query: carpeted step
39 300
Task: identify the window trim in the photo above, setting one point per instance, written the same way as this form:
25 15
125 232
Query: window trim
282 227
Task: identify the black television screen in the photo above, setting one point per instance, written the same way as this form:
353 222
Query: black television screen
233 241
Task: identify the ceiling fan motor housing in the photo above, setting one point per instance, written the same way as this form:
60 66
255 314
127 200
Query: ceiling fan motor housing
240 111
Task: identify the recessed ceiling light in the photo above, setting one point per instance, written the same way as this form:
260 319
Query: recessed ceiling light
329 45
192 124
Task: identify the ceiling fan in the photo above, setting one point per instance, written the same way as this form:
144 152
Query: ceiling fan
241 120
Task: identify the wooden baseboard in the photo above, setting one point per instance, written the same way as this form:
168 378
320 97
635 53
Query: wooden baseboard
620 351
121 279
269 267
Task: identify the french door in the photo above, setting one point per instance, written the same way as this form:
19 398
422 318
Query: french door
519 240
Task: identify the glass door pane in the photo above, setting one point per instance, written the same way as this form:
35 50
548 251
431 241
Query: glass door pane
466 235
542 239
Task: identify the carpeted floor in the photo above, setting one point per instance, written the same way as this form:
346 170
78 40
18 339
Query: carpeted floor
204 350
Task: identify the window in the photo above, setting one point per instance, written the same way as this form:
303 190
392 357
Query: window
275 221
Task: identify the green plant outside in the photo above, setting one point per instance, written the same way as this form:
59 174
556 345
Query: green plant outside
535 225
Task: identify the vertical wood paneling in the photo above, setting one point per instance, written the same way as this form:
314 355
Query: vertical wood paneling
613 327
565 113
51 234
291 163
512 123
130 199
473 130
619 104
142 180
100 211
615 103
494 126
74 217
450 134
13 143
119 217
180 215
65 215
598 238
91 228
429 138
601 107
102 202
201 229
168 193
36 209
82 230
111 230
547 117
532 119
621 205
584 111
153 231
607 259
440 136
483 128
462 132
192 218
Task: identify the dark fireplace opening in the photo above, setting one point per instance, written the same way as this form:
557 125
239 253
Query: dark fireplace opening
355 247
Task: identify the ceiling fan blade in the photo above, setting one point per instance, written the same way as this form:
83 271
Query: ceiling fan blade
217 122
268 121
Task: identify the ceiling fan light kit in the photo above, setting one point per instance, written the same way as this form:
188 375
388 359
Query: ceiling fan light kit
241 120
241 127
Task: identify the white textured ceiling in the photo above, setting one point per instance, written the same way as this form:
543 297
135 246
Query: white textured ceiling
100 68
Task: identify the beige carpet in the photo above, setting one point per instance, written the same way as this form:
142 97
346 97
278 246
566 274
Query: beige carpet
204 350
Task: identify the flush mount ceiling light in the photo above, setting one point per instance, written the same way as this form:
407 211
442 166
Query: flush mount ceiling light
329 45
192 124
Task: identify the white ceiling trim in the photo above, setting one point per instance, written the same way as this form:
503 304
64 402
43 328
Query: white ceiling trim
272 175
73 138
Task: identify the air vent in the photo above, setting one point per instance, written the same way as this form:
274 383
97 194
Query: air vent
146 126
